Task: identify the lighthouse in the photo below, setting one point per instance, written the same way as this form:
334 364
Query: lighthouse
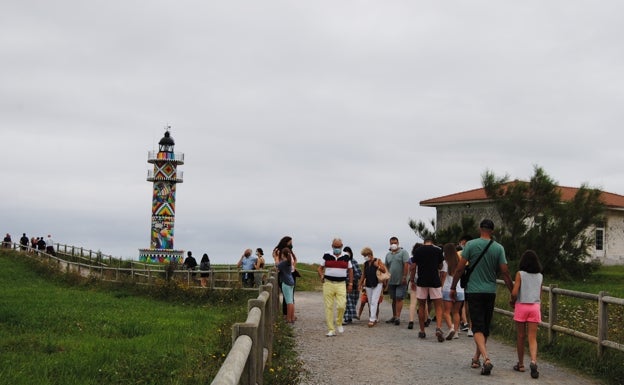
164 176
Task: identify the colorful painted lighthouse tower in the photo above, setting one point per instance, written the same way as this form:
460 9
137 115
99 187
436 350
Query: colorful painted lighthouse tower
165 177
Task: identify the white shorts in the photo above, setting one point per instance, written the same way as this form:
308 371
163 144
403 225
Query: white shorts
428 292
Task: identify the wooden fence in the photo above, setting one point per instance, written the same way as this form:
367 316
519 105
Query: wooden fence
601 339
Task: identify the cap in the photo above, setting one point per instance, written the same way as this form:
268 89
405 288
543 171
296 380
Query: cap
487 224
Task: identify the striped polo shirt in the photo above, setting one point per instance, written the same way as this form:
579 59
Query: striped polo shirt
336 268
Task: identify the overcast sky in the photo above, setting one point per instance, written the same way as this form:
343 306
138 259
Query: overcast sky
312 119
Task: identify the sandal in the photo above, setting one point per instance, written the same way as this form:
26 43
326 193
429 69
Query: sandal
475 363
534 372
518 367
487 367
371 324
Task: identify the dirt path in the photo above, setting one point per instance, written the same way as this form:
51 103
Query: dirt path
389 354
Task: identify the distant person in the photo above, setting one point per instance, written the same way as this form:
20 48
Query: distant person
41 244
526 300
287 241
412 289
464 323
33 243
190 262
372 285
284 266
428 260
260 262
247 263
50 245
480 292
397 264
204 267
6 242
23 242
335 269
353 293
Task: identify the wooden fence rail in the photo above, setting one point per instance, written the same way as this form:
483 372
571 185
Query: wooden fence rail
601 339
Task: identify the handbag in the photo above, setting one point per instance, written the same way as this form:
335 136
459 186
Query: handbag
382 276
463 281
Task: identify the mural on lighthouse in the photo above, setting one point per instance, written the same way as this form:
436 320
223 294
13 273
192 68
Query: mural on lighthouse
165 177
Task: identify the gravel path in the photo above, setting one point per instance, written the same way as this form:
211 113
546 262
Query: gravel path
389 354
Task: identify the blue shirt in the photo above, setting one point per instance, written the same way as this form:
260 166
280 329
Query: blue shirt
285 272
248 263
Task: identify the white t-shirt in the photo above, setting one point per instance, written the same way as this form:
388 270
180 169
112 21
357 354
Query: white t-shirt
446 286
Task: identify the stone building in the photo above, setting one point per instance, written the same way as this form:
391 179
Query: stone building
609 242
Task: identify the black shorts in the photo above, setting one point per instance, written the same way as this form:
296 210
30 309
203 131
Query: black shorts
481 309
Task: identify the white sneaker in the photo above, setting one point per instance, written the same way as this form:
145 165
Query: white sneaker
470 333
340 329
456 336
330 334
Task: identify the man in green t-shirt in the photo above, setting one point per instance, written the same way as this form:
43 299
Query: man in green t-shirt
481 290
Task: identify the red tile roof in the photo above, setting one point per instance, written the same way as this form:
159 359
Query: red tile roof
611 200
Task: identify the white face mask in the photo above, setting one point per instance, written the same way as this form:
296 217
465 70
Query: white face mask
394 247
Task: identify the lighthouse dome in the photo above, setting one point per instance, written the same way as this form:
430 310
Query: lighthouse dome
167 140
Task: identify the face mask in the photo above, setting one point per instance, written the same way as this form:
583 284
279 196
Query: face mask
394 247
289 246
337 250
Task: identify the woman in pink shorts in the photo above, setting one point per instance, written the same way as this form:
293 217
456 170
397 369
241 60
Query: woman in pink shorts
526 299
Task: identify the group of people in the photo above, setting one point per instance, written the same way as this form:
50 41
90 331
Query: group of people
247 263
190 263
432 275
36 243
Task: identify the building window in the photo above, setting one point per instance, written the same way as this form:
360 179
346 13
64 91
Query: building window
599 239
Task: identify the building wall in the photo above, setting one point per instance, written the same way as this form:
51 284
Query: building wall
614 239
448 215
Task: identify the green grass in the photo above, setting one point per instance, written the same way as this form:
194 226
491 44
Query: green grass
52 332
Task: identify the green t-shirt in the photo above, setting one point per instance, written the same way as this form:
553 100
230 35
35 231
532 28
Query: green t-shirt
396 262
483 277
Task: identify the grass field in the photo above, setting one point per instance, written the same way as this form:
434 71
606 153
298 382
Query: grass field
55 333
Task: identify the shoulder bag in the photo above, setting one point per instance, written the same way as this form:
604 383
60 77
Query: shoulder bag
463 281
381 276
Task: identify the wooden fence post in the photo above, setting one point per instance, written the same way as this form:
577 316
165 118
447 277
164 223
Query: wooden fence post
603 322
552 314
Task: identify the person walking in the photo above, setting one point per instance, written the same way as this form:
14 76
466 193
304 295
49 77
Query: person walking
486 259
526 301
397 264
371 284
23 242
50 246
286 241
335 269
428 260
204 267
353 293
452 307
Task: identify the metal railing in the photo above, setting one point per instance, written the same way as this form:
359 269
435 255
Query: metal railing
601 339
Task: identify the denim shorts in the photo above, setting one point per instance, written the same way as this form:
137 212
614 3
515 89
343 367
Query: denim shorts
397 291
446 296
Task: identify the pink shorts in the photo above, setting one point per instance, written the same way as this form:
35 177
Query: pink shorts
528 312
431 292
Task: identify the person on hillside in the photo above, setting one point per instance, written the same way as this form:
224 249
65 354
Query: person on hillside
283 264
23 242
372 285
33 243
353 293
480 292
247 263
190 262
204 267
259 275
334 270
287 241
6 242
397 264
41 244
526 300
428 259
50 245
451 306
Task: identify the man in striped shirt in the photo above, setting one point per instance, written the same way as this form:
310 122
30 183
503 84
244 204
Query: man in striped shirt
335 270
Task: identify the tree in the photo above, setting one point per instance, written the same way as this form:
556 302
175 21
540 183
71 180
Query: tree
450 234
534 216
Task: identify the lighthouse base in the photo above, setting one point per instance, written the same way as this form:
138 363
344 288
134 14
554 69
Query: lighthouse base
161 255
